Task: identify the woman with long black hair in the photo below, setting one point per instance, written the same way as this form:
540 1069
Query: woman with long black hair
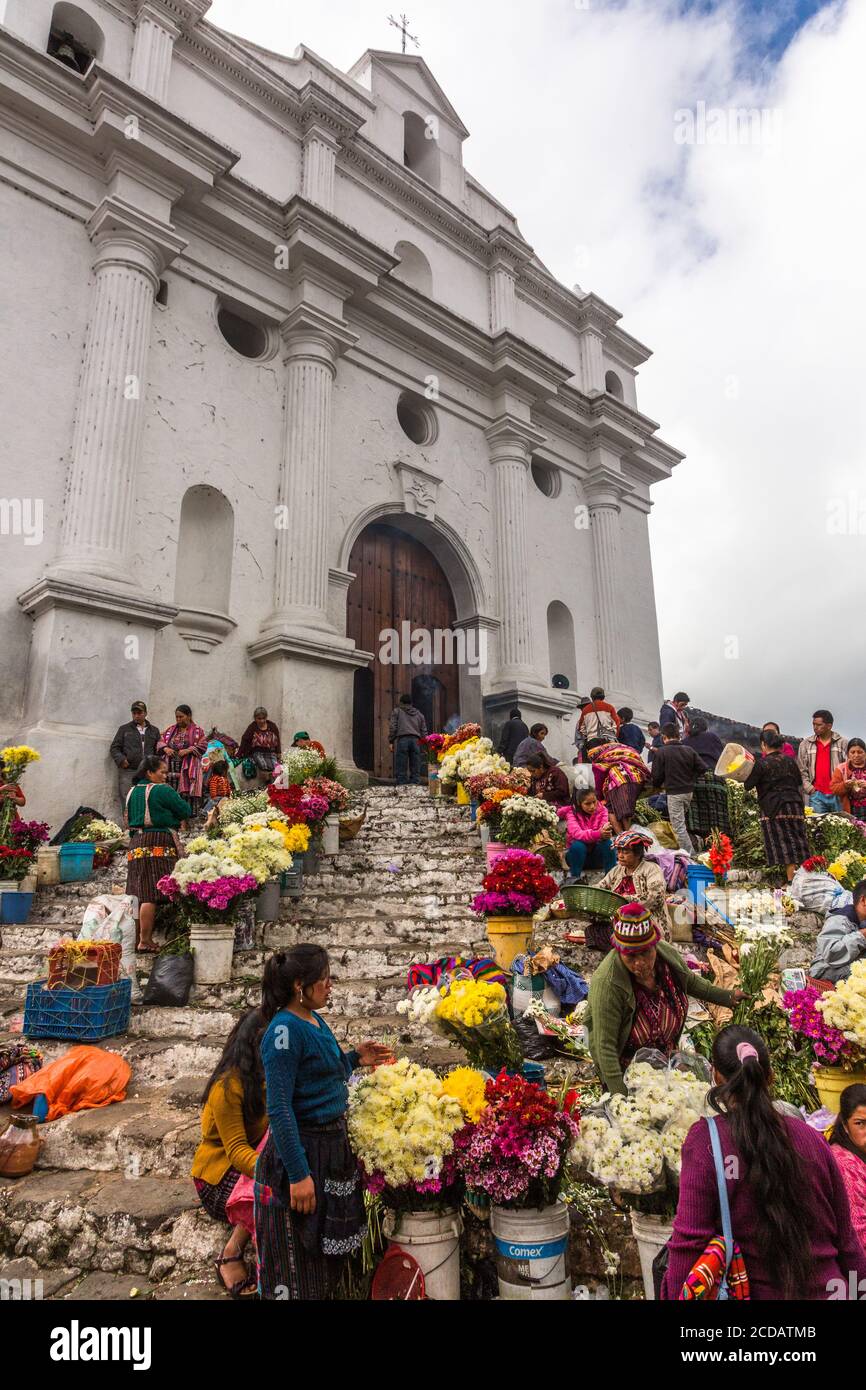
790 1215
848 1146
309 1208
233 1121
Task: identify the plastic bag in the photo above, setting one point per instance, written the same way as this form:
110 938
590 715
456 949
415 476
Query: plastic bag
170 981
84 1078
819 892
111 917
693 1062
536 1047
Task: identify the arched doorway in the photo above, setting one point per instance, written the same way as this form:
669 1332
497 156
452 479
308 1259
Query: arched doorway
399 601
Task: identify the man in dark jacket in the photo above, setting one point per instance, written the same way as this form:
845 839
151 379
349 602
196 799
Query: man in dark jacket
406 726
675 712
630 734
132 743
514 731
676 768
706 744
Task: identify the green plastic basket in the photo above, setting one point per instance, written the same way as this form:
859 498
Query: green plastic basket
591 902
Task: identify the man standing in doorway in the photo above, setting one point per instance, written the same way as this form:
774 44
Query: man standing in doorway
817 758
407 725
132 743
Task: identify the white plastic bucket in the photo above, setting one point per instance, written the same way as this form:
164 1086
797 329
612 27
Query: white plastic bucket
213 947
651 1234
531 1249
432 1238
735 762
47 865
331 835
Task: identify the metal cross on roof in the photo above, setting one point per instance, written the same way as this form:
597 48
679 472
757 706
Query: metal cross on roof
403 25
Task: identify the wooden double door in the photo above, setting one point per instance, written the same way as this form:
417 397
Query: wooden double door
399 581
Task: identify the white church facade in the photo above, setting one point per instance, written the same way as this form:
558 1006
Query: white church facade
281 379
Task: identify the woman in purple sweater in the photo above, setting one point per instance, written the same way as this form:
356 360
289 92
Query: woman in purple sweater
789 1209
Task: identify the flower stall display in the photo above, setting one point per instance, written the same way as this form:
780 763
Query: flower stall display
433 744
843 1009
525 817
298 765
759 948
16 862
474 1014
420 1004
515 888
298 805
235 809
402 1127
465 734
829 1045
831 835
517 1151
208 886
336 795
848 868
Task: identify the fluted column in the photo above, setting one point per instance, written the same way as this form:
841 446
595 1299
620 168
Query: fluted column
592 361
313 344
503 298
511 441
604 491
110 415
320 162
151 53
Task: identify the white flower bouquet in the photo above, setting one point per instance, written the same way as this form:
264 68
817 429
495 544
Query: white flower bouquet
235 809
845 1007
420 1005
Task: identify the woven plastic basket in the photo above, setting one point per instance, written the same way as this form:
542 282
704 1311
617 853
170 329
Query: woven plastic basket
77 1015
591 902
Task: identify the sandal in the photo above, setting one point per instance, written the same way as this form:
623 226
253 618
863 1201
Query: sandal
147 950
243 1287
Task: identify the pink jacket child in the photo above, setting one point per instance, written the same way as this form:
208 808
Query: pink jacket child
589 829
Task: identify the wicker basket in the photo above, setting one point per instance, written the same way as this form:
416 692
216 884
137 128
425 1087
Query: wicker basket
591 902
350 826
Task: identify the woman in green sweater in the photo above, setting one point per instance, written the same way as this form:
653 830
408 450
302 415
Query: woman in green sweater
154 813
639 996
309 1207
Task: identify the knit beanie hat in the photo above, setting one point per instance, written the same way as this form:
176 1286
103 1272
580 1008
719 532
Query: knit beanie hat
634 929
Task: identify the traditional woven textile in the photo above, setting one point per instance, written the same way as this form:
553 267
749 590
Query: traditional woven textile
431 972
704 1279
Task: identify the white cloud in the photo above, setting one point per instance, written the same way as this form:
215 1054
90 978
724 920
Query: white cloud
741 265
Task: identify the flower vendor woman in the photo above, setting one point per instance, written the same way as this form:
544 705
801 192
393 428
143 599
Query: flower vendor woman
184 744
777 780
620 774
261 743
790 1216
638 996
638 878
849 780
233 1123
154 811
848 1143
309 1208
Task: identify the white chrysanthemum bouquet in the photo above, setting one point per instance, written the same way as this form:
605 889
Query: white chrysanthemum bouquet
845 1007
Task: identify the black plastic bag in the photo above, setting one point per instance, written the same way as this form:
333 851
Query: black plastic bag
170 981
536 1047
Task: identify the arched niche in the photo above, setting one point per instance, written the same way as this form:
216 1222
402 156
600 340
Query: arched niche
75 38
613 386
560 642
420 150
203 576
414 268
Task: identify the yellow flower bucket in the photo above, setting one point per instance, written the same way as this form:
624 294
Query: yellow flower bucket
509 937
830 1082
462 795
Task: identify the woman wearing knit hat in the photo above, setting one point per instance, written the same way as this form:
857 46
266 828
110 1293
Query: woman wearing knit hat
637 878
639 996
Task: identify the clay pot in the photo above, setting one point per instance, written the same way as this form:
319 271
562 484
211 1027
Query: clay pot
19 1147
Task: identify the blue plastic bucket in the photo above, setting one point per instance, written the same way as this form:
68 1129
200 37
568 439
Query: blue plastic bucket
76 862
699 878
15 907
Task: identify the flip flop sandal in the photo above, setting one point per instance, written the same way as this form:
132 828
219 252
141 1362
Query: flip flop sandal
236 1291
147 950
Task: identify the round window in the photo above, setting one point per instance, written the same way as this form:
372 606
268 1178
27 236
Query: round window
248 337
417 420
546 478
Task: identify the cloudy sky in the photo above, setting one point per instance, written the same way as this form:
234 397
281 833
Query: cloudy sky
736 251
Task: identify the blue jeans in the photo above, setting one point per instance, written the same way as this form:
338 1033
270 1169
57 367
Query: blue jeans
821 804
407 761
580 856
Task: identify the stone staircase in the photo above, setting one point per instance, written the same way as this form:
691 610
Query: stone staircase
111 1206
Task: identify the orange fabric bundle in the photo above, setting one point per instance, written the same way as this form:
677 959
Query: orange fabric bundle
84 1078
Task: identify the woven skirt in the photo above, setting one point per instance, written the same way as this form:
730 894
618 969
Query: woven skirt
622 800
785 837
214 1195
302 1257
709 808
157 857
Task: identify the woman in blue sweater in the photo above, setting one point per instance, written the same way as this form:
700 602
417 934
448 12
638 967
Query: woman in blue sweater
309 1207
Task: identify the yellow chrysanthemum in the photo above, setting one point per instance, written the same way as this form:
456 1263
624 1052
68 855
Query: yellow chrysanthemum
467 1086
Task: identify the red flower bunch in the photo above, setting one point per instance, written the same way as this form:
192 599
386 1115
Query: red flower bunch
288 800
14 863
721 854
815 864
517 1149
517 885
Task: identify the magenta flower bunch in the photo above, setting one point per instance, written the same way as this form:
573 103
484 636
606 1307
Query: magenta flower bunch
211 899
516 1152
831 1048
503 905
314 807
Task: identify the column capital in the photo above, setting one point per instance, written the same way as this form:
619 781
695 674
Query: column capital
165 15
182 14
116 228
511 438
606 486
310 332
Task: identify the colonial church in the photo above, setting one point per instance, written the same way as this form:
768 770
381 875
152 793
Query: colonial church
294 415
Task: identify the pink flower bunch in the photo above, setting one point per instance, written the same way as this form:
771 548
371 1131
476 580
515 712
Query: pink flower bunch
336 795
831 1047
314 807
216 895
517 1149
503 905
